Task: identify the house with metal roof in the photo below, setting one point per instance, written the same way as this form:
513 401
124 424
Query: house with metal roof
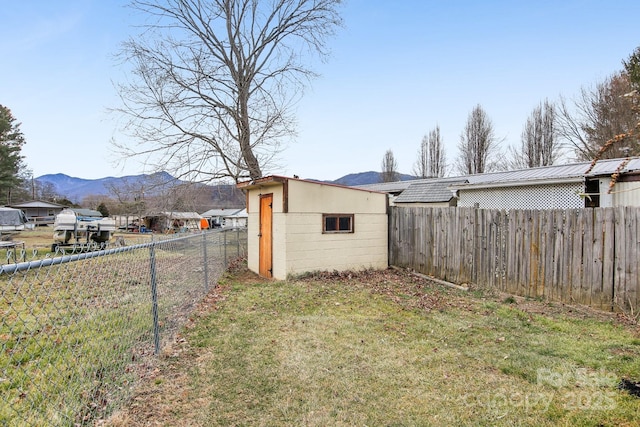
224 218
610 182
236 219
39 212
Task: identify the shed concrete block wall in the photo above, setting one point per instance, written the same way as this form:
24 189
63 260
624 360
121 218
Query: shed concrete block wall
307 249
253 250
280 260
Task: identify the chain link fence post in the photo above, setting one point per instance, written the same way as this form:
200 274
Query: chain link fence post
154 300
238 242
225 250
205 262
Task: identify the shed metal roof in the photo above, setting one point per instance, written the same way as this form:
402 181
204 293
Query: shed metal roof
427 192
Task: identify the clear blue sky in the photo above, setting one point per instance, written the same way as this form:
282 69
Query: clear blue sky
397 69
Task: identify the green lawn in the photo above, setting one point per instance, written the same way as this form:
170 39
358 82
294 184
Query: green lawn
389 349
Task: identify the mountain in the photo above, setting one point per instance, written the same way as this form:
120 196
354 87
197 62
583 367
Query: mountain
76 189
364 178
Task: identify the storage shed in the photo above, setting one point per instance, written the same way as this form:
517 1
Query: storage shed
435 193
297 226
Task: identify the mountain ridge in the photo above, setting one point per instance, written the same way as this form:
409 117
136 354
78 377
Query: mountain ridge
76 189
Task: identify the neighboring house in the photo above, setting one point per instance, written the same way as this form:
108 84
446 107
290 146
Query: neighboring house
224 218
297 226
237 219
172 222
39 212
566 186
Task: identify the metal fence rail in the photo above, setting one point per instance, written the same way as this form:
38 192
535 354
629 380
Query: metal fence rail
77 330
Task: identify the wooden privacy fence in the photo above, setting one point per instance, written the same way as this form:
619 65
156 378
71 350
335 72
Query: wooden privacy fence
585 256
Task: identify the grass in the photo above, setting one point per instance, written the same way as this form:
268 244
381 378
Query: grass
66 343
75 336
386 348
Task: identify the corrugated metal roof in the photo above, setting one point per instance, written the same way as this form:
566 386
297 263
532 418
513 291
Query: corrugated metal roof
400 186
37 204
242 213
555 172
221 212
176 215
529 176
387 187
428 192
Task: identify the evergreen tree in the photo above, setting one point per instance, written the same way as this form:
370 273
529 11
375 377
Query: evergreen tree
11 160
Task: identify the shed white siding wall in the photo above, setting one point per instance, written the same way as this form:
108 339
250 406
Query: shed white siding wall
622 194
556 196
626 194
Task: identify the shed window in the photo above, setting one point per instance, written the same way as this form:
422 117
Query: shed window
337 223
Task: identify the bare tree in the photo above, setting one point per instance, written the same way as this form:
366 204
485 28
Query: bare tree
214 81
539 144
432 161
478 144
389 168
597 116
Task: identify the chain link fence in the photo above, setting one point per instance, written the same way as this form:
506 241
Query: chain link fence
78 328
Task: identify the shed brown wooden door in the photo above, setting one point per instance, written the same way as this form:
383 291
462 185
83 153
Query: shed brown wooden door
266 237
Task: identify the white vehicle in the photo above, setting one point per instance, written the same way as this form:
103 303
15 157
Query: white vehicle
82 227
11 220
